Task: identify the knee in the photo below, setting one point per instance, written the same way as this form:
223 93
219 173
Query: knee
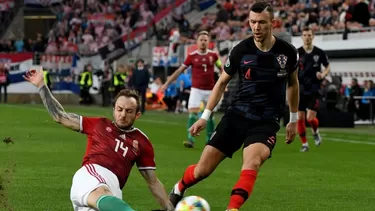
253 164
93 197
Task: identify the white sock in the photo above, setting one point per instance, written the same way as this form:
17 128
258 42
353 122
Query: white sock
305 144
177 190
316 132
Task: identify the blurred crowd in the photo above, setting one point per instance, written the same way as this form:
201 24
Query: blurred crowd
356 98
230 22
90 27
21 44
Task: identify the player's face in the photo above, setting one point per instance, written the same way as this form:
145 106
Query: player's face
307 37
261 25
125 112
202 42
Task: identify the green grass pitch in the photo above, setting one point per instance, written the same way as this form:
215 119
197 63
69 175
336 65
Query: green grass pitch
36 171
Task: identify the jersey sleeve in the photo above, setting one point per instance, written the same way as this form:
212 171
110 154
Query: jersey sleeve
324 57
87 124
231 66
146 160
294 60
188 61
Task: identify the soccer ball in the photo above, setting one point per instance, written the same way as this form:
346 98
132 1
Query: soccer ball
193 203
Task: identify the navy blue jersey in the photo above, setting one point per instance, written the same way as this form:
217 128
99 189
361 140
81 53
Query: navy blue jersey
309 65
263 76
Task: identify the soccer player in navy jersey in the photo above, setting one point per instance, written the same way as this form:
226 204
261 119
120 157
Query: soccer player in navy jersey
311 59
267 69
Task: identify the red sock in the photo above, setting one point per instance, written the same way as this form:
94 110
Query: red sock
188 179
314 124
242 190
302 130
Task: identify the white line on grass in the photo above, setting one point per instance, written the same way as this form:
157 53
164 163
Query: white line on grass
340 140
176 123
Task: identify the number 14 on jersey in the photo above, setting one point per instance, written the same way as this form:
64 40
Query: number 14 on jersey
120 146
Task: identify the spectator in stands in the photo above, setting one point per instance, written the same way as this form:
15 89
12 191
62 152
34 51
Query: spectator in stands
19 45
183 86
85 82
139 81
170 97
4 82
350 93
154 91
368 92
105 87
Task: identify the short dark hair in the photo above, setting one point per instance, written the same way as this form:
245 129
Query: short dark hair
129 93
260 6
306 29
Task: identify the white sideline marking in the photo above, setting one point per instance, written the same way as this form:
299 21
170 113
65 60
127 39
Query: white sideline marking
176 123
339 140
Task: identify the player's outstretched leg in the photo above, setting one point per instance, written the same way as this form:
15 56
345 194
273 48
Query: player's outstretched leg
210 159
111 203
314 123
103 200
254 156
193 117
302 131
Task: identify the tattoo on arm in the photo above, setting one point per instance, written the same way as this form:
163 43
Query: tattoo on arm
56 110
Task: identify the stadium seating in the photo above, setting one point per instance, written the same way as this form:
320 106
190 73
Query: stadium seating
291 16
93 28
7 12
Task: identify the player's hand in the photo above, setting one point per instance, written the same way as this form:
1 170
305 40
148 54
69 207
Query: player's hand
35 77
319 75
291 131
197 127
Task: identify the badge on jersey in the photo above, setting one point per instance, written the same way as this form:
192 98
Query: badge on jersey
135 146
282 60
316 58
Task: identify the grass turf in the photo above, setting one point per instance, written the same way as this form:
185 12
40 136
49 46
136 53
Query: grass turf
36 171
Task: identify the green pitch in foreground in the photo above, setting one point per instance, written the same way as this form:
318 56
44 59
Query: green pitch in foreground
36 171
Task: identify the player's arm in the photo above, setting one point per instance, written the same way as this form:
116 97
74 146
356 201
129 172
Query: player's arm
174 76
293 93
55 109
326 64
230 68
157 189
218 91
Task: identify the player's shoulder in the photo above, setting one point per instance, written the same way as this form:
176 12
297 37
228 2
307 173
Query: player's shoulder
241 46
286 47
245 43
194 53
211 52
141 135
95 119
318 50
